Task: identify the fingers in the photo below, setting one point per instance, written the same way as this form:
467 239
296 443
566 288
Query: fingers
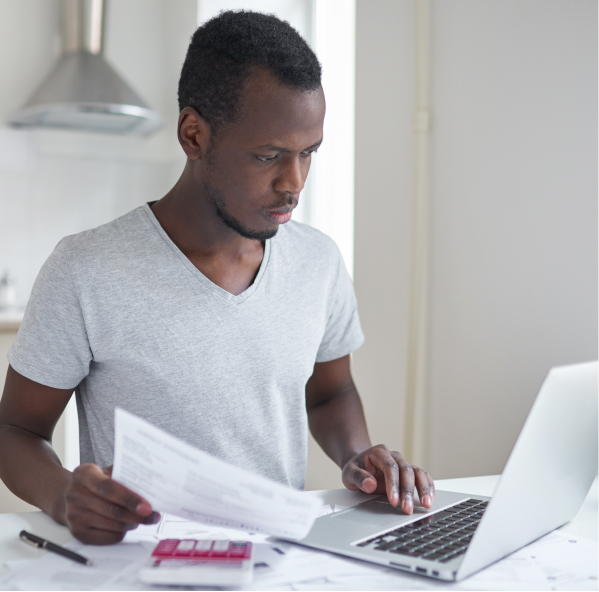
89 520
99 510
94 479
425 486
412 477
406 483
377 470
357 479
382 459
96 536
118 513
373 471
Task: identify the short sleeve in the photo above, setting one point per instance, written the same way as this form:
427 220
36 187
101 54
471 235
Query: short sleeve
343 333
52 347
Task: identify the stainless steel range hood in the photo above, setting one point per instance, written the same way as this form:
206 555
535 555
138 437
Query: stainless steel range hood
83 91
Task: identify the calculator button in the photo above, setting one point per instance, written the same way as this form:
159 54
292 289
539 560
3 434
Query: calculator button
165 548
168 544
202 548
238 549
185 547
204 545
220 547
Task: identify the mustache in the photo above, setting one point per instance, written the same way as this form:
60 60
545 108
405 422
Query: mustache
290 202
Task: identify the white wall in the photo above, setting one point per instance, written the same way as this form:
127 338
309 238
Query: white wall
514 214
383 208
514 225
332 173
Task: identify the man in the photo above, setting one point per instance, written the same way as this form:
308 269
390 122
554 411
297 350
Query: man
208 313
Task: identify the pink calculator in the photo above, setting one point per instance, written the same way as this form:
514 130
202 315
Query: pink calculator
200 562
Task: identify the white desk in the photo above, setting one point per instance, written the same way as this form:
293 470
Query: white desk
11 547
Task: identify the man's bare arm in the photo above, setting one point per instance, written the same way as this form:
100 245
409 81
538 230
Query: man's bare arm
336 420
28 464
96 509
335 413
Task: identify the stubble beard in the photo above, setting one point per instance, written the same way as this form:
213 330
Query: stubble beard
230 222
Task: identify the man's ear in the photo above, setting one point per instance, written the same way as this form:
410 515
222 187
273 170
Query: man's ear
193 132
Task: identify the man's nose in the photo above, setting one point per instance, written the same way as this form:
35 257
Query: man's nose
291 178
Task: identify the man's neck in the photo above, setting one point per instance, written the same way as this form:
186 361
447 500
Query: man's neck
190 220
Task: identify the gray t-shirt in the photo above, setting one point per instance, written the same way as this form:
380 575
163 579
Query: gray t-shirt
121 315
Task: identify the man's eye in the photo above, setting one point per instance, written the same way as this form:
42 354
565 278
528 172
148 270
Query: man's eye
266 158
309 153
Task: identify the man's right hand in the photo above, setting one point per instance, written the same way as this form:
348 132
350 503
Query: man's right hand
97 509
100 511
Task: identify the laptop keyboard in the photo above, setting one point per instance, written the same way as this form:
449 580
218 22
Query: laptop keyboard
441 537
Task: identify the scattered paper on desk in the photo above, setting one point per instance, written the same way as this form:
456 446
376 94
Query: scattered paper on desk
182 480
115 567
558 561
174 527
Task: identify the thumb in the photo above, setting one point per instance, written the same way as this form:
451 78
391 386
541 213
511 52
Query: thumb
355 478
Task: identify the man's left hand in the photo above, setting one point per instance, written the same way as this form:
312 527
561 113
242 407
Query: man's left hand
379 470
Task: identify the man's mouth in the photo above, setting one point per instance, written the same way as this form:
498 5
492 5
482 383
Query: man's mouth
281 215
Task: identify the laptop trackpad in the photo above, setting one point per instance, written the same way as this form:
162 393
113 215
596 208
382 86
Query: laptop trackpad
376 513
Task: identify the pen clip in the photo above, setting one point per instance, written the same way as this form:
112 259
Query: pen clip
24 536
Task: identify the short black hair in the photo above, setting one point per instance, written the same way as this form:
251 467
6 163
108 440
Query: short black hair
225 51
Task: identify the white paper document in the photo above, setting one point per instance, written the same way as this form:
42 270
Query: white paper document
114 567
556 562
182 480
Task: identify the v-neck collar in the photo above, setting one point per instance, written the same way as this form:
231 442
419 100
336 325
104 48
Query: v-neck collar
199 276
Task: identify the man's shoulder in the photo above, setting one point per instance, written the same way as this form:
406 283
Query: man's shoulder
113 238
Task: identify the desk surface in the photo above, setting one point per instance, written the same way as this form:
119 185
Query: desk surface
11 547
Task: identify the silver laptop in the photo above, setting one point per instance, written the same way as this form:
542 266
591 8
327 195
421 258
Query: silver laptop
543 485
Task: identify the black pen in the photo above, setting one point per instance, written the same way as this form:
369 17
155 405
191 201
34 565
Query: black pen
40 543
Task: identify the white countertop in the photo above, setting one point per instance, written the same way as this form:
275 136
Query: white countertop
584 523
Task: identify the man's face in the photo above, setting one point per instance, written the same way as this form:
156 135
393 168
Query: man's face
255 172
